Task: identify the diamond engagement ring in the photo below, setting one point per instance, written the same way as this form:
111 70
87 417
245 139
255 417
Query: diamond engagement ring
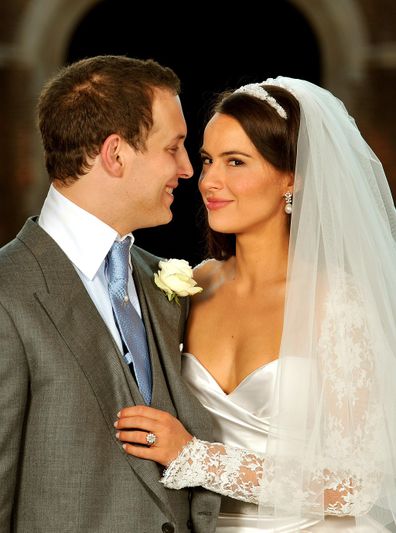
151 438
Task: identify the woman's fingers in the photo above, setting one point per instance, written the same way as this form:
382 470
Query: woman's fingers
132 441
141 417
142 452
134 437
170 436
137 422
141 410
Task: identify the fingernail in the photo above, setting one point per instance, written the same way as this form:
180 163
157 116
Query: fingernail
118 434
124 446
115 424
119 414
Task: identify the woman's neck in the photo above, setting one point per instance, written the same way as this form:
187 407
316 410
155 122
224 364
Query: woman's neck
260 258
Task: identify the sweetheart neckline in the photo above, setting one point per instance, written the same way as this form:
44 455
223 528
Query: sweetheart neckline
194 358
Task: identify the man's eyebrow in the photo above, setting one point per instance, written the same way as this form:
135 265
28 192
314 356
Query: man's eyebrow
179 137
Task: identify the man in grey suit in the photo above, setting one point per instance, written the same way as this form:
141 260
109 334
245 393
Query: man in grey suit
113 133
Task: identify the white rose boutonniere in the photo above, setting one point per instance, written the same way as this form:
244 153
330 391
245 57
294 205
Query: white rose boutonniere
175 278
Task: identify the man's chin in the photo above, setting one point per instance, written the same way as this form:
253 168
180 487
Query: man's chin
162 220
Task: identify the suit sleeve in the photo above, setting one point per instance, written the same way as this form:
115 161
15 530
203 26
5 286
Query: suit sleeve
13 399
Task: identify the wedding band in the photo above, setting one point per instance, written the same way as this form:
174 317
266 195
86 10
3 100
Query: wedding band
151 438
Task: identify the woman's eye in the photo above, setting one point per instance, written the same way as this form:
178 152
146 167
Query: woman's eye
205 160
235 162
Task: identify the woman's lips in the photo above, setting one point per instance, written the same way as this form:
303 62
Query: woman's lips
217 203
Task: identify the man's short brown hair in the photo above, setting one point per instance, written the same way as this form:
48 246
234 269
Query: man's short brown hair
93 98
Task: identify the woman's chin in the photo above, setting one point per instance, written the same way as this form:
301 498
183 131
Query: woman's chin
222 228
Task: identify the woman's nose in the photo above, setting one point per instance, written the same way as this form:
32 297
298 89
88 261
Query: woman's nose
210 179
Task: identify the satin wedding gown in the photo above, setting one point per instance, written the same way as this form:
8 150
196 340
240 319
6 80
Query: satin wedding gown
241 420
233 464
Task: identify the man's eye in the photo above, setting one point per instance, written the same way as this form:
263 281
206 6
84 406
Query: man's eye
175 148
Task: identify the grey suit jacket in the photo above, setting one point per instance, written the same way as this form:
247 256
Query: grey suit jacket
62 382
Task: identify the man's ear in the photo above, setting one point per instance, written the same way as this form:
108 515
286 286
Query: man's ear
112 155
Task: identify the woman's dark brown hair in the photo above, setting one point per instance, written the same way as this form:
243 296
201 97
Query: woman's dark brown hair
274 137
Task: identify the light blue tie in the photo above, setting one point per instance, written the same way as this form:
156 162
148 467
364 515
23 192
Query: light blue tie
129 323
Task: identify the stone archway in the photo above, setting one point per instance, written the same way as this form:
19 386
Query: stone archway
342 35
45 30
47 25
41 41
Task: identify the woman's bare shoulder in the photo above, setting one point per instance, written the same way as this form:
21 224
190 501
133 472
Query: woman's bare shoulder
207 273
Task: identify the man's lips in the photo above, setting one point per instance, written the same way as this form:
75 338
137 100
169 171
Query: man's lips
170 187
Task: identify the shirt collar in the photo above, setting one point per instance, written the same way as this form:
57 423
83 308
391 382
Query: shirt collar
84 238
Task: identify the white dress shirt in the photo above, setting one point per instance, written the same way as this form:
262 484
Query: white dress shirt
86 241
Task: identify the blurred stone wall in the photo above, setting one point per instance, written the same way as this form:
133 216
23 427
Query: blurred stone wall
357 40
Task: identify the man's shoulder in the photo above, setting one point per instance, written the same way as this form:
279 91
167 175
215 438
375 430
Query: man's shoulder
18 261
29 234
145 258
12 254
18 272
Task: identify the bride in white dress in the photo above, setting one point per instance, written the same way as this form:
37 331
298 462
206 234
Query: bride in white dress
291 344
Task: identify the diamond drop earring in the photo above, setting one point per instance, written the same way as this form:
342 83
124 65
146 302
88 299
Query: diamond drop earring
288 205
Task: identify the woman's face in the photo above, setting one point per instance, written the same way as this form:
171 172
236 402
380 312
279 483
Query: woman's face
241 190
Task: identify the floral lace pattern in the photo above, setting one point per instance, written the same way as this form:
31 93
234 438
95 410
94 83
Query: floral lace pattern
351 462
348 471
230 471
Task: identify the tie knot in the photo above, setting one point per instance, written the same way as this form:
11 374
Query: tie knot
118 261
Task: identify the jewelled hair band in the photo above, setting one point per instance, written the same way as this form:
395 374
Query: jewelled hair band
255 89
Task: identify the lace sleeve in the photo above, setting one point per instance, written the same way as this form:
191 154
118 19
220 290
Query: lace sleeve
229 471
351 464
238 473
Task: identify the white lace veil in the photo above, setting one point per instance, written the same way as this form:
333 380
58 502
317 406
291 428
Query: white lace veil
334 419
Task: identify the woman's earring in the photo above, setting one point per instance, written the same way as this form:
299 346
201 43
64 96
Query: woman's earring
289 200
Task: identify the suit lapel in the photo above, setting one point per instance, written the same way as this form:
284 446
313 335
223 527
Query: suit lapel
159 314
164 332
164 337
77 320
83 330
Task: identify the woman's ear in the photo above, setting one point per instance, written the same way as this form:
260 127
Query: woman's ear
112 155
290 181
